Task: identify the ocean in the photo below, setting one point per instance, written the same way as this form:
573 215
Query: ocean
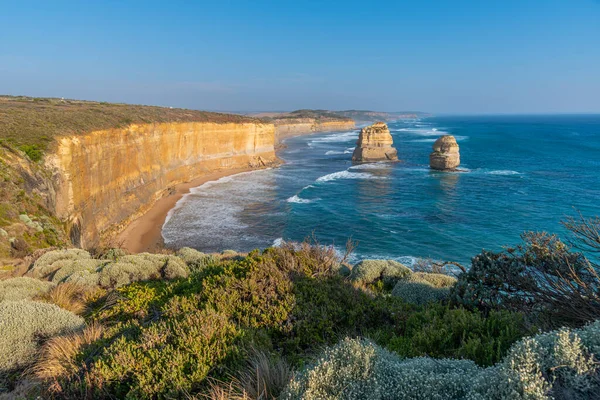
523 173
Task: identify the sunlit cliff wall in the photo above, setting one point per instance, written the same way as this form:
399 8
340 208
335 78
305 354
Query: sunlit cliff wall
288 127
107 178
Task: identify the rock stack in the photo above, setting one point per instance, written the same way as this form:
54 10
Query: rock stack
445 156
375 143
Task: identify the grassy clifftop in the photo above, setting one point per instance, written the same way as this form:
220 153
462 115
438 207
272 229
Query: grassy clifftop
31 123
318 115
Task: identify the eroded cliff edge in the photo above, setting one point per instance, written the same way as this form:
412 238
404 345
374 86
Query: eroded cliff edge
84 170
107 178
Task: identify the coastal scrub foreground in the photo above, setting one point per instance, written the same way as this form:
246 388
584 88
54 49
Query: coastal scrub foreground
299 322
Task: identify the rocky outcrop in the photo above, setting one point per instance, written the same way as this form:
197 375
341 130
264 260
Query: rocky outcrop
375 143
445 155
288 127
107 178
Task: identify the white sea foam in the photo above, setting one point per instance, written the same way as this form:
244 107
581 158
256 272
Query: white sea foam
503 172
347 175
299 200
423 131
333 152
278 242
376 165
336 137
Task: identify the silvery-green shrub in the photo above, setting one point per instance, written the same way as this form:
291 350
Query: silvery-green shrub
359 369
196 260
369 271
69 267
190 255
51 261
23 324
561 364
141 267
422 287
23 288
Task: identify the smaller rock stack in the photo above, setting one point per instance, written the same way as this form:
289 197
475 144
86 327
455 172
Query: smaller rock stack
375 143
445 156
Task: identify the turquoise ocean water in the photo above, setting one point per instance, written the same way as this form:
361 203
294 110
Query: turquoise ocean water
523 173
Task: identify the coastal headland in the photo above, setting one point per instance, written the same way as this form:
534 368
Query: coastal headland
101 174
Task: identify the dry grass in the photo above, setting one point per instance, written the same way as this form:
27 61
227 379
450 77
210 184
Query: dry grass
71 296
264 378
57 359
27 121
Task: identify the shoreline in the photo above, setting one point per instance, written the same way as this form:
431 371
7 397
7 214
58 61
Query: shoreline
144 234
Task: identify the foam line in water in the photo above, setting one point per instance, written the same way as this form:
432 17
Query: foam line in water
347 175
299 200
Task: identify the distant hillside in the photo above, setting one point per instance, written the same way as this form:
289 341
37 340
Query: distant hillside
355 115
318 115
369 116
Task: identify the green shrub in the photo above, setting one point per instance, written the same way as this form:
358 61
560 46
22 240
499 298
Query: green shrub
33 152
442 332
51 261
23 288
542 277
359 369
370 271
422 288
23 324
166 359
328 309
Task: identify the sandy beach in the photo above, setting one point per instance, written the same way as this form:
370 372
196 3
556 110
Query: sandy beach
144 233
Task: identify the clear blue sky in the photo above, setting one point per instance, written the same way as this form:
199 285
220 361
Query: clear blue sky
461 56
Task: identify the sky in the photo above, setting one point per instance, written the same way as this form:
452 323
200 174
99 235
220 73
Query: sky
456 57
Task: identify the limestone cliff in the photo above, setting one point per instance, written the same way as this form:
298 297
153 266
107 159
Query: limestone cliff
288 127
445 155
375 143
106 178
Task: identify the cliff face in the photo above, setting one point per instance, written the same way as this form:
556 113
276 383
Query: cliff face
288 127
106 178
375 143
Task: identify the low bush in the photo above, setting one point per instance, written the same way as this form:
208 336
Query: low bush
141 267
557 365
196 260
81 267
543 277
328 309
422 288
561 364
51 261
359 369
370 271
442 332
23 288
23 325
167 358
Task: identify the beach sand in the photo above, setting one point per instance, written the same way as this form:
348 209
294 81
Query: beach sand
144 233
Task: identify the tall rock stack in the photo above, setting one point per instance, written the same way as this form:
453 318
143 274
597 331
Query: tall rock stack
375 143
445 155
